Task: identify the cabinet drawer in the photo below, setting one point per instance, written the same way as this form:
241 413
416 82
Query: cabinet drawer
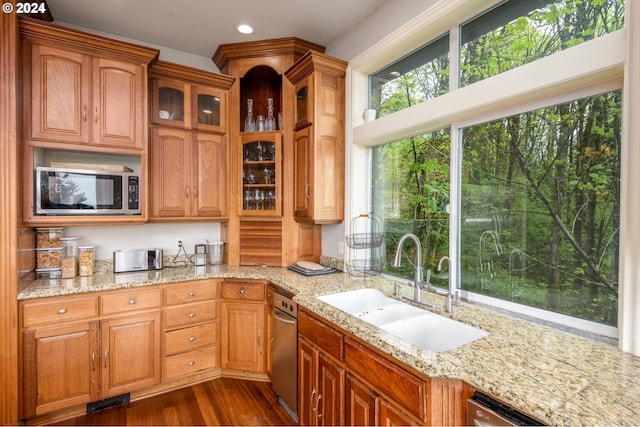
201 290
188 339
409 391
188 363
59 310
243 291
190 315
328 339
120 301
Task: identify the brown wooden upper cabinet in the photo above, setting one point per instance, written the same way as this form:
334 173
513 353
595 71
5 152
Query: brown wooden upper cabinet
188 149
177 103
82 89
318 138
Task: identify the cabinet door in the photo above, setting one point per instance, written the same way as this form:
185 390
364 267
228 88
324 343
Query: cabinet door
307 392
360 404
242 332
209 175
60 367
60 95
389 415
302 173
119 104
130 353
170 173
171 102
261 174
209 106
330 392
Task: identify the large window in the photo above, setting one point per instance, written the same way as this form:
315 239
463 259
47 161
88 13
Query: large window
539 191
411 194
540 207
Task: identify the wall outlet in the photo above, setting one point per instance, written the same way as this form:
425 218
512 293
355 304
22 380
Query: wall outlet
340 248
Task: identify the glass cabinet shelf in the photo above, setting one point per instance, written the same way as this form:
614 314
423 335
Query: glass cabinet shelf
260 168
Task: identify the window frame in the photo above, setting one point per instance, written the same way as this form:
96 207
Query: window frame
515 91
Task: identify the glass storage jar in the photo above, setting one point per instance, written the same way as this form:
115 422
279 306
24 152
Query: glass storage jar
48 273
85 260
48 257
69 259
48 237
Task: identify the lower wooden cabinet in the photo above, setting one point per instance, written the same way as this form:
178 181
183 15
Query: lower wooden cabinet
60 367
79 362
191 329
364 407
242 326
130 348
342 381
320 387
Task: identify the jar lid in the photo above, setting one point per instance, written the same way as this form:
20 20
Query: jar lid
49 249
49 228
86 248
48 270
68 238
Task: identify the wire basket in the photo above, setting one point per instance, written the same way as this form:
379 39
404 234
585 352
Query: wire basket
365 267
366 233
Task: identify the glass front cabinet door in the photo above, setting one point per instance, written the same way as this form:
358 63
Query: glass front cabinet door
187 106
260 166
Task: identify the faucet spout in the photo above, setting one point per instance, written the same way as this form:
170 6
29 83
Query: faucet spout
452 291
442 260
417 273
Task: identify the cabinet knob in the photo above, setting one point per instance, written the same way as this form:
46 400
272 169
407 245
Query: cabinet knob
191 363
132 301
192 294
62 311
96 118
192 315
192 339
186 191
84 113
241 291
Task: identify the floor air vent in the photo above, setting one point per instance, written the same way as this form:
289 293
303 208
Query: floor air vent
100 405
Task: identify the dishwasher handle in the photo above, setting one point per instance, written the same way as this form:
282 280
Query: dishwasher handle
284 318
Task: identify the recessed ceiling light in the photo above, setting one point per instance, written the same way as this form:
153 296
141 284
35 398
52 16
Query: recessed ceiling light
244 28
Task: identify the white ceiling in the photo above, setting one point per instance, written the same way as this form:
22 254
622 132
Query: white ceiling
199 26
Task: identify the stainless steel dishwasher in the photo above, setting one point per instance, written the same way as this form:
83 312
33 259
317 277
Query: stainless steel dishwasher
284 351
483 410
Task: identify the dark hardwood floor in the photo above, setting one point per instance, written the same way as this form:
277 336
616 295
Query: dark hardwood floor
221 402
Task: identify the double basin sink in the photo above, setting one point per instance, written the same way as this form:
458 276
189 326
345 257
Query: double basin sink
422 328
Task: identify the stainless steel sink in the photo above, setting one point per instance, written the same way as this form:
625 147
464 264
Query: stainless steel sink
420 327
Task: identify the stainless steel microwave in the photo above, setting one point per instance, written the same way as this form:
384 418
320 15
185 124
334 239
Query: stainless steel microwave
62 191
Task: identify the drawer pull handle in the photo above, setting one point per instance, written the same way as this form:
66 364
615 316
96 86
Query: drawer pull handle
192 315
192 294
241 291
132 301
62 311
192 339
191 363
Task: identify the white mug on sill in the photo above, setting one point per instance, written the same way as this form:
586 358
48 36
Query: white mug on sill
369 114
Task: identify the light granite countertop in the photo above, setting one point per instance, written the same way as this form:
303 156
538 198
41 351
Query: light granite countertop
556 377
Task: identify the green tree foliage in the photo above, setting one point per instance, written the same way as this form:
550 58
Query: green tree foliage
540 190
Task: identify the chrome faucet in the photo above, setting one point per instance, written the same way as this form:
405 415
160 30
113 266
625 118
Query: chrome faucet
451 293
417 273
